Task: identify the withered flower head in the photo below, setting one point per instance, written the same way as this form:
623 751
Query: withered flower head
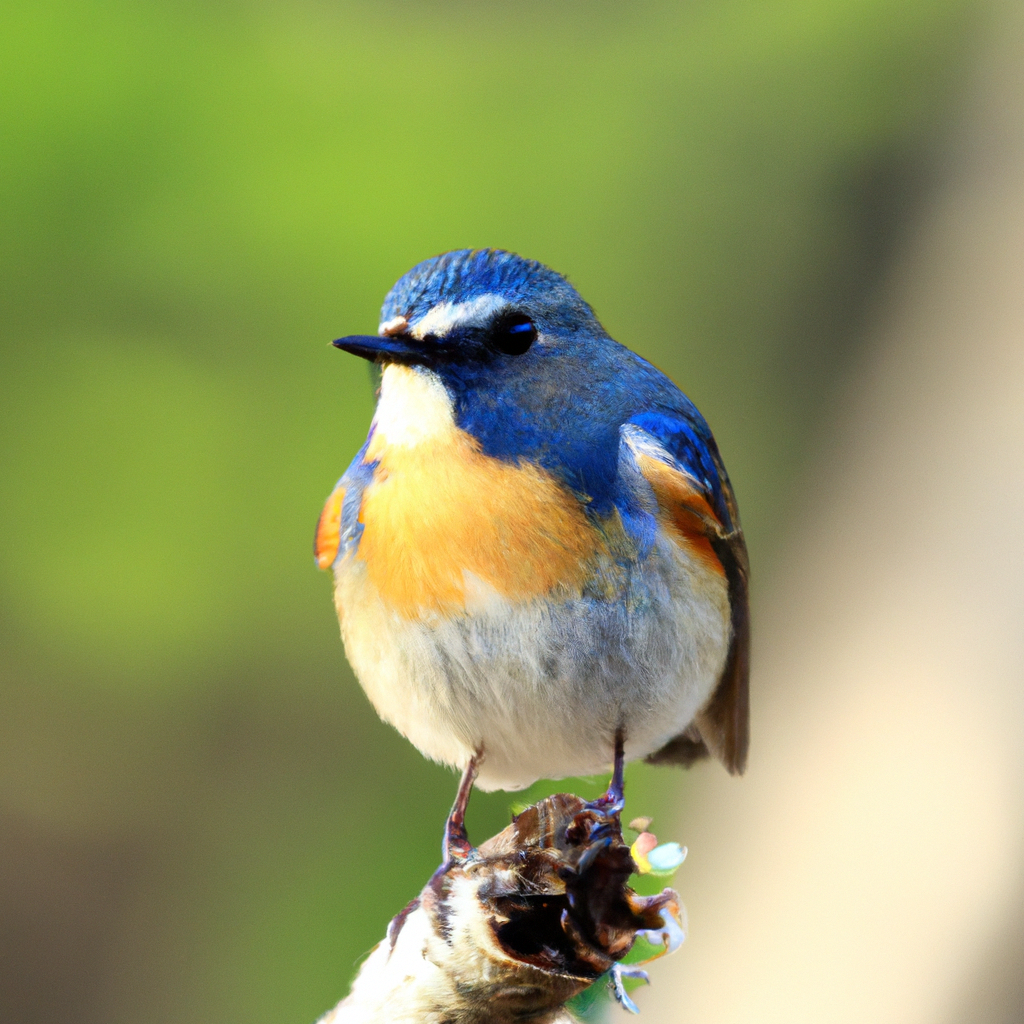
510 933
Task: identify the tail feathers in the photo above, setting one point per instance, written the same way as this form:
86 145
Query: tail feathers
685 750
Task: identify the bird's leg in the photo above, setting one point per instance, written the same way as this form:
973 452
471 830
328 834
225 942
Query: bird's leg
456 844
615 798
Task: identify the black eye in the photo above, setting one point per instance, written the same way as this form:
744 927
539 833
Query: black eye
514 334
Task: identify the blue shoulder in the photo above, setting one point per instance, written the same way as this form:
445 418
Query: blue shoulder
687 444
338 529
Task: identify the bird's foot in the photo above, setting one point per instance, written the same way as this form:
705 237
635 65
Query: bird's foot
615 983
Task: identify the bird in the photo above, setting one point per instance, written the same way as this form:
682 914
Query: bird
539 568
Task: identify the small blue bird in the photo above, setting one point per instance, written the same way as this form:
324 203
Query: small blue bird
538 561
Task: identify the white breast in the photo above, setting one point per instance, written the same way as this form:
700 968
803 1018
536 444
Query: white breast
542 686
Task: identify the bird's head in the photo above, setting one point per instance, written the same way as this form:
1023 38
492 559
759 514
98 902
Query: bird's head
479 314
524 366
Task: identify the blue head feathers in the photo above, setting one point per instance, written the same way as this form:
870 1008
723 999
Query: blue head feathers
532 373
465 275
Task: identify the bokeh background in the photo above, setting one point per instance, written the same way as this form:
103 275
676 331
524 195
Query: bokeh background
200 816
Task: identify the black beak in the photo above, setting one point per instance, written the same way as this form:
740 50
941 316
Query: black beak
396 348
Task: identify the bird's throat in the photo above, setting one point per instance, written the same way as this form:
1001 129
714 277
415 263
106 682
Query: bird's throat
414 408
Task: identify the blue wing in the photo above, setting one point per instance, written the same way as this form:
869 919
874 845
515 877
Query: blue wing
677 456
338 529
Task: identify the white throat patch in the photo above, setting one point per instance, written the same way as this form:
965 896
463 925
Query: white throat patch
414 407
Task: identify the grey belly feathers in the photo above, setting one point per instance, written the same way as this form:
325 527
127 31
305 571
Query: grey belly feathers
542 686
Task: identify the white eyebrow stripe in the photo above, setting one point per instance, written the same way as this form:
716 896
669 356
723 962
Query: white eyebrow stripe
440 319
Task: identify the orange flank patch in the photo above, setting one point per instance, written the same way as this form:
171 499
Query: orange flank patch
683 508
445 524
328 530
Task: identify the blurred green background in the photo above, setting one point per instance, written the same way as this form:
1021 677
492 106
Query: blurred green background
200 816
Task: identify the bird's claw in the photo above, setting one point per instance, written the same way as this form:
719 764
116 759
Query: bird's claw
615 982
591 853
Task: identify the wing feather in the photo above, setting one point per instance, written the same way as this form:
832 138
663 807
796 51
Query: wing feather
680 461
338 528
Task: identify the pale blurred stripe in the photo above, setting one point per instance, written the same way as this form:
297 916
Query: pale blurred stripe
870 867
